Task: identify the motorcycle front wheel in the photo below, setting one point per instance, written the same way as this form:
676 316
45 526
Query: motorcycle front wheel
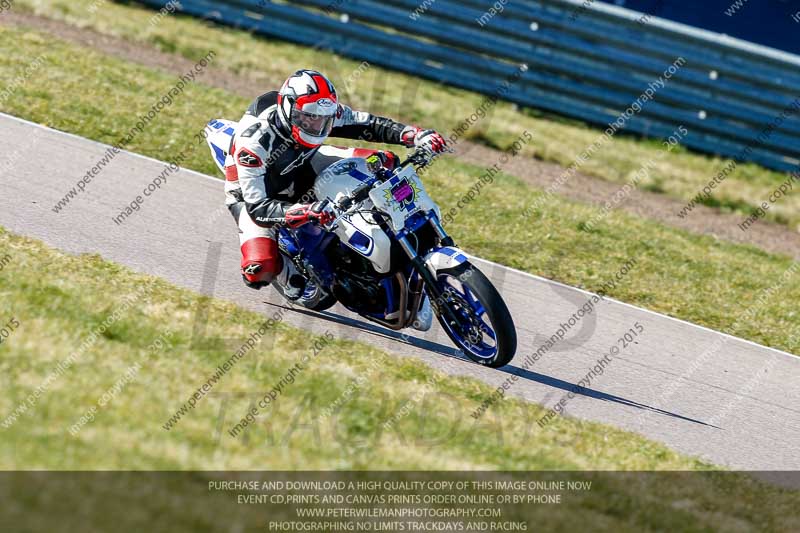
483 328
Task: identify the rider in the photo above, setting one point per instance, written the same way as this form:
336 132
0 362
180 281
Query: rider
277 153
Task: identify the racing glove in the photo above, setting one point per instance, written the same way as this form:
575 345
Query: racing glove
413 136
300 214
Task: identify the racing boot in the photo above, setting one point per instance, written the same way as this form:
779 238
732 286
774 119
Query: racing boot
292 282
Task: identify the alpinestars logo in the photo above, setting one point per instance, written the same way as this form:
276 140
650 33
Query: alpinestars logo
252 269
246 158
299 161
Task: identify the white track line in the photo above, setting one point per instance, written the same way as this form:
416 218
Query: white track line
520 272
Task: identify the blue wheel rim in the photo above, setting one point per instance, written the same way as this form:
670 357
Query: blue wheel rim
471 311
309 291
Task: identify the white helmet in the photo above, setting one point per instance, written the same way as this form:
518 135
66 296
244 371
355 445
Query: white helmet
307 104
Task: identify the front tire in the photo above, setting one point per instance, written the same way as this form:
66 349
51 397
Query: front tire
485 331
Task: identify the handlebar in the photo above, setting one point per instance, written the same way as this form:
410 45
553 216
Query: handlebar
420 157
362 193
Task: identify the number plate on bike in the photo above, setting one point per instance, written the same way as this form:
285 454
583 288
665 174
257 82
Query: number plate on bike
401 196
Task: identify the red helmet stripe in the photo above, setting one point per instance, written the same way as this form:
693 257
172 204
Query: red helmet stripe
324 90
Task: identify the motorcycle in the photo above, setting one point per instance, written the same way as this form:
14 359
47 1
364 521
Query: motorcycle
386 256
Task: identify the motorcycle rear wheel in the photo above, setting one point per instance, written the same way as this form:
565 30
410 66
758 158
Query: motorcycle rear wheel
313 300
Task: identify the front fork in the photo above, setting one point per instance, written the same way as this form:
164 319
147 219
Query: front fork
444 238
434 292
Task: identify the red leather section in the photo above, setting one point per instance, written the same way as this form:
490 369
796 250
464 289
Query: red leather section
363 152
261 260
231 173
389 158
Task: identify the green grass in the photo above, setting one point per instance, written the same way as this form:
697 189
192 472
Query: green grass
56 314
692 277
683 174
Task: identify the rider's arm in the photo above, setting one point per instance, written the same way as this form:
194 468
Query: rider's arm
363 126
267 212
350 124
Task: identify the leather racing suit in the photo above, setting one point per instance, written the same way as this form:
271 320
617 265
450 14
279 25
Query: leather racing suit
267 172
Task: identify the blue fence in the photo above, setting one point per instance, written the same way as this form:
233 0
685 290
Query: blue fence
581 59
772 23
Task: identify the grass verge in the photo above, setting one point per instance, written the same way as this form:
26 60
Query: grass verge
683 174
56 316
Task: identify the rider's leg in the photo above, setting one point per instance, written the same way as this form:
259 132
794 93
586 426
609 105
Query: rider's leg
261 261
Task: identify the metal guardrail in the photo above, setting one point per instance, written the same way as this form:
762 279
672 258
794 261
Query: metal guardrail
767 22
589 62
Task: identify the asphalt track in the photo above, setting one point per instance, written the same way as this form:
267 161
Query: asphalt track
729 401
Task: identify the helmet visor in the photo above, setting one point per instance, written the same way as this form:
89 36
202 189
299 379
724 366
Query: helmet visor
314 125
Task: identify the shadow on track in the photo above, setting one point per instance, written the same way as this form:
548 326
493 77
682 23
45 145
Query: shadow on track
591 393
380 331
455 353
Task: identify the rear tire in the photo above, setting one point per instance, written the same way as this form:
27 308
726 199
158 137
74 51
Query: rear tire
494 308
317 301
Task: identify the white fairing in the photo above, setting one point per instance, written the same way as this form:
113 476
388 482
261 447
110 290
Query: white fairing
218 133
344 176
359 231
445 259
